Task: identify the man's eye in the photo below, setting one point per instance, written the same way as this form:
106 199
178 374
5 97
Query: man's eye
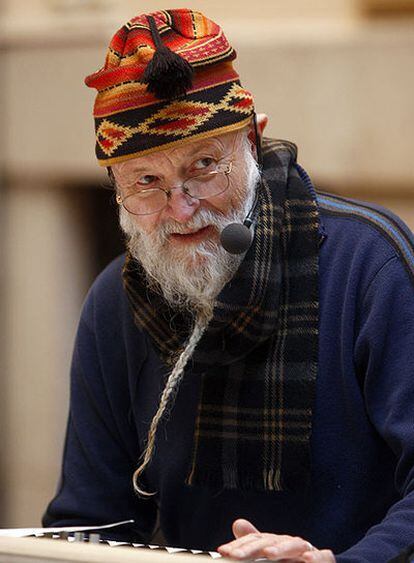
147 180
204 163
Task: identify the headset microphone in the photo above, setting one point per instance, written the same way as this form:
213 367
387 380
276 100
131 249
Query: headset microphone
236 238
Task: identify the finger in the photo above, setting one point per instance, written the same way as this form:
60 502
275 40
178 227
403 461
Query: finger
251 549
292 547
239 542
231 547
273 539
242 527
322 556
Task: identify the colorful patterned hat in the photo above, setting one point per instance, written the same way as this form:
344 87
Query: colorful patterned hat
168 78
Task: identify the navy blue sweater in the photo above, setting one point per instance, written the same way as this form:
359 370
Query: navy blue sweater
361 500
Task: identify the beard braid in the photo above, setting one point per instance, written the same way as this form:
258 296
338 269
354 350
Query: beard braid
190 278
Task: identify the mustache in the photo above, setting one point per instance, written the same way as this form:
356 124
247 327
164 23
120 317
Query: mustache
203 218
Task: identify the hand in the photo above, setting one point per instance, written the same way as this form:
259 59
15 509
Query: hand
252 544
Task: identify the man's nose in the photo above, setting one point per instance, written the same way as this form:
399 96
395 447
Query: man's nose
181 207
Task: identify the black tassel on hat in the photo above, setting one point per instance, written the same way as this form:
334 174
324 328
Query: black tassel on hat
168 75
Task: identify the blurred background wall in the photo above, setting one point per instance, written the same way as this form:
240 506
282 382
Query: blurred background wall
335 77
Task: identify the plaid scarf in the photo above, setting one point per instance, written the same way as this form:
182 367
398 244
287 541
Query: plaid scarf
258 357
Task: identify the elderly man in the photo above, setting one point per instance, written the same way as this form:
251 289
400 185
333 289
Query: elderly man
246 368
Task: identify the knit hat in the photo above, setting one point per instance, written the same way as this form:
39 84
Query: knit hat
168 78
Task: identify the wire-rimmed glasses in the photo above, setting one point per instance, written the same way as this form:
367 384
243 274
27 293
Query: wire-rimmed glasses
146 201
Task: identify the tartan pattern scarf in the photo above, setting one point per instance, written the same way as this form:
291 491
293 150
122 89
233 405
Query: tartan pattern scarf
258 357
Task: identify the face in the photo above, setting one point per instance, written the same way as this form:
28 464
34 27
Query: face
171 168
179 246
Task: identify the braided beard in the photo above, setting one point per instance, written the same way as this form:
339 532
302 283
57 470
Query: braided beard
190 277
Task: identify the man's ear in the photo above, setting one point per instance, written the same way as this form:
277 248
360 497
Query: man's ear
261 120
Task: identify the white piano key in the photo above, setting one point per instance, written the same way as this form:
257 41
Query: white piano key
113 543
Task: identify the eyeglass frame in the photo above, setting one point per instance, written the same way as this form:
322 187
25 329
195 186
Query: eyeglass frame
120 200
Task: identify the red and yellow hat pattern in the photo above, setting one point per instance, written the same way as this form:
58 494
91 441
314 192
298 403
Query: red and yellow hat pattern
131 121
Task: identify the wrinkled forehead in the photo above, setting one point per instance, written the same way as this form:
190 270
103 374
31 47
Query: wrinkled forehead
218 146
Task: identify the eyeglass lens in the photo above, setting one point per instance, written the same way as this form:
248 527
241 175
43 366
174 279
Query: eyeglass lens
152 200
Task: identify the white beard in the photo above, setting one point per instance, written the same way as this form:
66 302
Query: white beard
190 277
